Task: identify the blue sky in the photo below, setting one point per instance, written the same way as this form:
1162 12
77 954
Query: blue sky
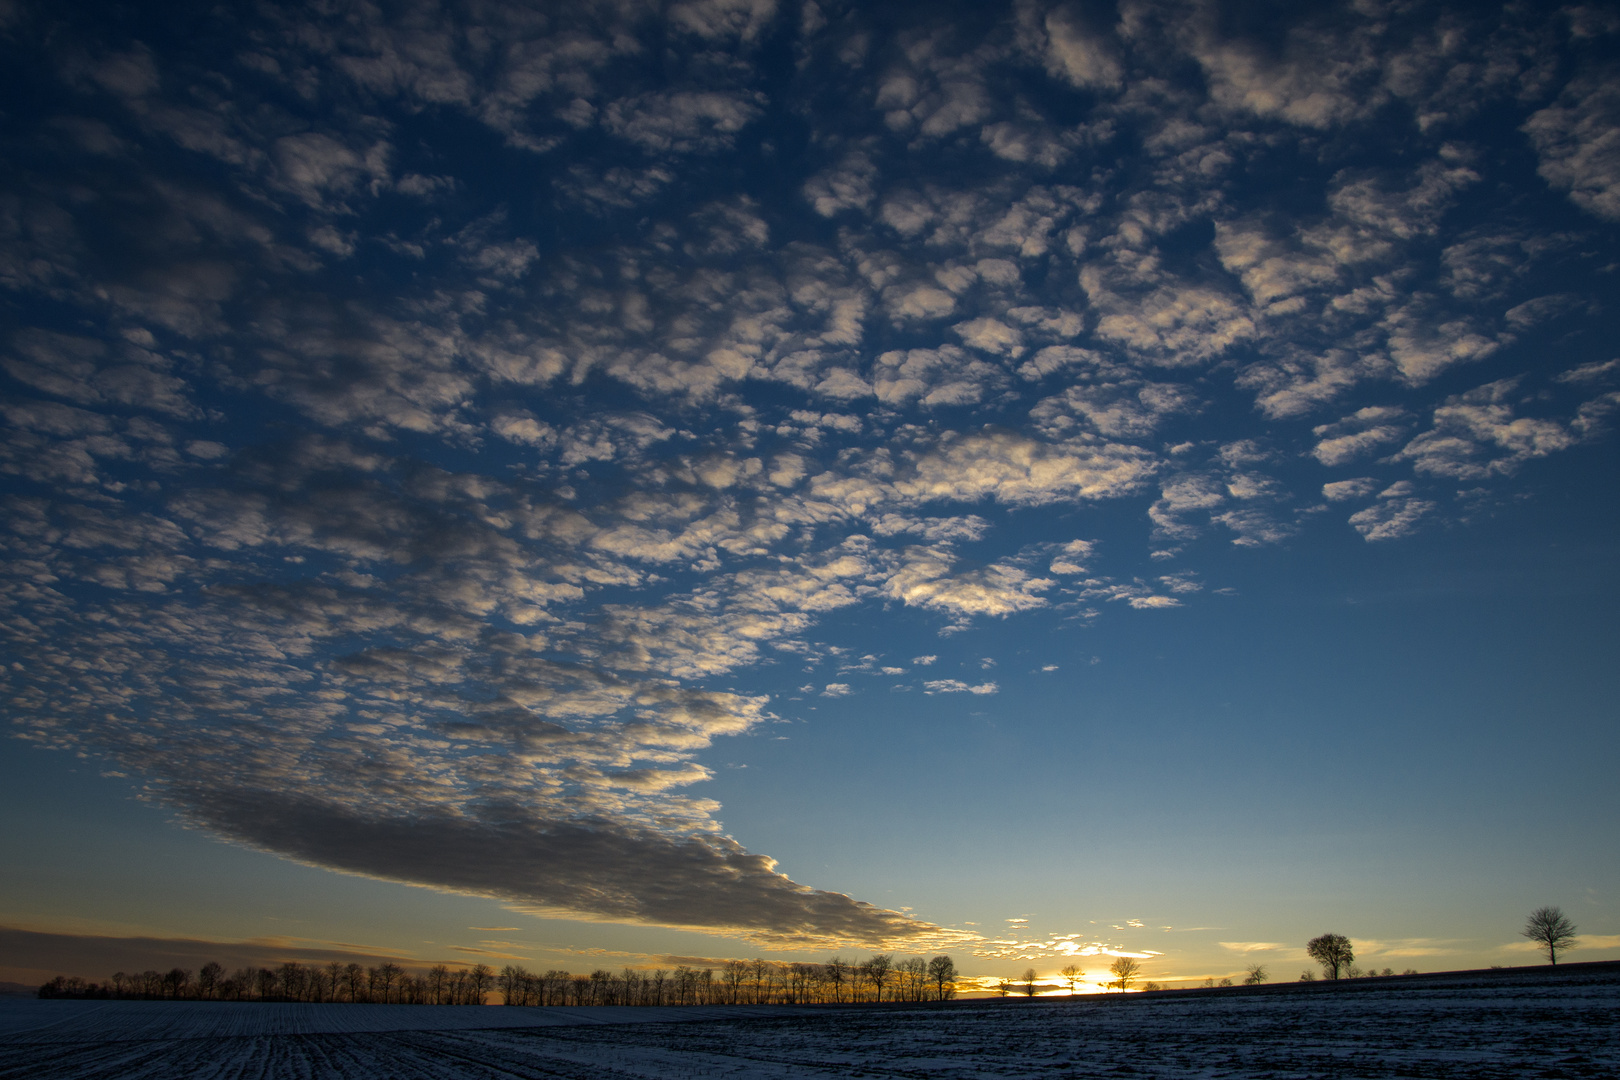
719 477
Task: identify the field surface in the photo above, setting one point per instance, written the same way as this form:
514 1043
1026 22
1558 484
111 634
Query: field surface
1494 1026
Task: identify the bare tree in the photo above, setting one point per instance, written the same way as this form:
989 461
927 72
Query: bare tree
1029 982
733 975
511 984
1333 952
1072 973
1256 976
209 976
836 971
1551 930
1125 970
176 980
942 970
877 971
387 975
265 983
290 977
910 979
1002 986
478 982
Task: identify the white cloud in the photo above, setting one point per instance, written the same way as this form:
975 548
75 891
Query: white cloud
957 686
1341 490
925 577
1390 519
1359 434
1476 435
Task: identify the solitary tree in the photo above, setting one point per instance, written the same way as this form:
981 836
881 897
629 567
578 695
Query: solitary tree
1551 930
1072 973
1125 971
1256 975
1333 952
1029 982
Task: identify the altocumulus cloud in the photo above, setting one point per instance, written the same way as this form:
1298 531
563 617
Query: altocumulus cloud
411 444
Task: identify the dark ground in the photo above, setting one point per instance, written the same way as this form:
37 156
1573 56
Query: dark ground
1518 1023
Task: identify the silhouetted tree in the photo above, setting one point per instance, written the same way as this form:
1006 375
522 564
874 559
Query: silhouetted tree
876 971
942 970
511 985
836 972
911 979
290 981
1332 951
209 977
1125 970
175 982
354 977
265 983
1029 982
1256 975
1551 930
1072 973
732 977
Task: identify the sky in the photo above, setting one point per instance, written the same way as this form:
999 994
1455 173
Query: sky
629 484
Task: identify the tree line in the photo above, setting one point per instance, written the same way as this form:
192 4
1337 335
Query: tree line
386 983
738 982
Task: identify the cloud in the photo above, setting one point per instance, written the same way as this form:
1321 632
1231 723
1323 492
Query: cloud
1578 140
683 121
924 577
957 686
933 377
1390 519
1476 435
1358 434
405 505
1071 49
1341 490
847 186
706 882
1321 76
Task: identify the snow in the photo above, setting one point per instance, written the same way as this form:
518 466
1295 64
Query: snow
1488 1028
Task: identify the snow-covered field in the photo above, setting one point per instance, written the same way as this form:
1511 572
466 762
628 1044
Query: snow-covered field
1523 1026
